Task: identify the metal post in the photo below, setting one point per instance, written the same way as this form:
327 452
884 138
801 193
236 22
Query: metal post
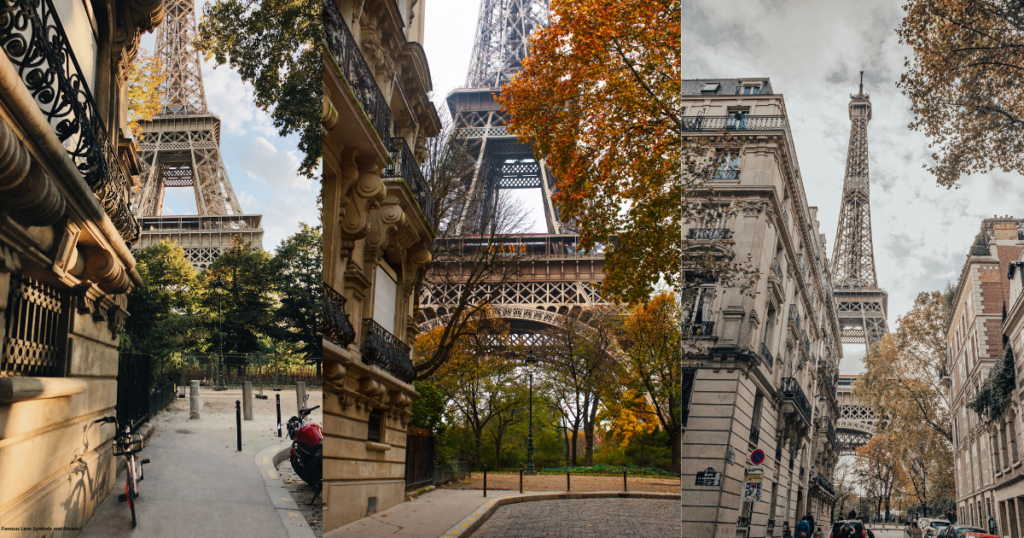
529 439
278 415
485 480
520 478
220 344
568 485
624 488
238 422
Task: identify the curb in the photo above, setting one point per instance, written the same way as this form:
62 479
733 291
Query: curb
472 522
285 506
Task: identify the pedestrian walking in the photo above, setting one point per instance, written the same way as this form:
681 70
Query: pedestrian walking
852 515
804 528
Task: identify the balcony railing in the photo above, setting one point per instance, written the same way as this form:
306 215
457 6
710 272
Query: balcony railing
824 484
742 522
734 122
383 349
830 432
357 72
707 233
404 165
726 173
778 268
767 356
794 315
791 391
804 341
699 329
33 38
337 326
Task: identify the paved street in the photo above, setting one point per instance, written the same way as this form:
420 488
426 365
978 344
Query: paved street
427 516
505 481
198 484
590 518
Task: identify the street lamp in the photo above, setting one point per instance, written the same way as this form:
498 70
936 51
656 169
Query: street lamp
531 363
218 286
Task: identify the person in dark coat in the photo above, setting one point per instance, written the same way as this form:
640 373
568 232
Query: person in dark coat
852 515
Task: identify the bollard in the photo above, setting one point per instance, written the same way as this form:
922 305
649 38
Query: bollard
520 478
485 480
300 396
624 488
568 485
238 422
247 399
278 415
193 401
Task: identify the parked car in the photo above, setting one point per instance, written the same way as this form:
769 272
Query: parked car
858 529
964 531
931 527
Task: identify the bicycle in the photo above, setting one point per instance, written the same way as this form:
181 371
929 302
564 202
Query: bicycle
126 445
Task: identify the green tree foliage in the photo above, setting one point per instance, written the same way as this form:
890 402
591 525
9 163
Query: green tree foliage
164 312
297 267
991 399
275 46
247 306
429 410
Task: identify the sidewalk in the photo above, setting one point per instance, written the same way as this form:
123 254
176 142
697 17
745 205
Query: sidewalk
427 516
198 484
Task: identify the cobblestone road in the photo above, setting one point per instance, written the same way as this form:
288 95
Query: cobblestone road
585 518
510 482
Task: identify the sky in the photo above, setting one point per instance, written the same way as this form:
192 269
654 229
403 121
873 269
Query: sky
813 51
262 165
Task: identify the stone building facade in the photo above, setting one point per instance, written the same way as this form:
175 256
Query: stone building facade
1009 477
377 236
988 463
765 377
66 162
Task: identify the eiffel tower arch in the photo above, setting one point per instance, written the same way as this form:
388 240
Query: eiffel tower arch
180 147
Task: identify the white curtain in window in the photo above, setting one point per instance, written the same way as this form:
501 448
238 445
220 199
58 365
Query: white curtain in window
385 297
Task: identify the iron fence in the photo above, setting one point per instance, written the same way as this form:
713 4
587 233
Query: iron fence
444 474
204 370
38 47
345 51
419 460
133 389
160 398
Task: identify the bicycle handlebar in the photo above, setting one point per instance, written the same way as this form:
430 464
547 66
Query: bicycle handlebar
105 419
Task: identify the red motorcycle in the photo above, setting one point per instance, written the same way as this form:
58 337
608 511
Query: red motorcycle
307 453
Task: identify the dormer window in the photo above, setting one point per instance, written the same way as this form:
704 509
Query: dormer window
751 89
710 87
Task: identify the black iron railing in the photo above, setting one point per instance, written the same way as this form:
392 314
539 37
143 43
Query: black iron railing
345 51
734 122
830 432
337 327
794 315
767 356
778 268
791 391
419 460
383 349
160 397
707 233
824 484
726 173
404 165
804 341
133 389
33 38
699 328
755 434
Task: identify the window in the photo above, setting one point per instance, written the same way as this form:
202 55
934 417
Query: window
751 89
35 313
710 87
755 419
373 429
688 379
728 166
698 298
385 297
737 120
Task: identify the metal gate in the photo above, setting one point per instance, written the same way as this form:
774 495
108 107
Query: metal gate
133 389
419 459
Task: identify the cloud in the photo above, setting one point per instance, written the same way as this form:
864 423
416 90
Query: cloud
813 52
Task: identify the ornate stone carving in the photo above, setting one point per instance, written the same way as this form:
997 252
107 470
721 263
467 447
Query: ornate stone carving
25 189
362 189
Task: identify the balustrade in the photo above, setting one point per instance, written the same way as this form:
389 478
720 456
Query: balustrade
791 391
336 326
345 51
383 349
707 233
404 166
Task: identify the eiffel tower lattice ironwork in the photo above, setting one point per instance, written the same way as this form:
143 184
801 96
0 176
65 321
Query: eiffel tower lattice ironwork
180 147
555 277
862 305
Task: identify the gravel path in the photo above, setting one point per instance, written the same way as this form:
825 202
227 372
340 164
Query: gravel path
589 518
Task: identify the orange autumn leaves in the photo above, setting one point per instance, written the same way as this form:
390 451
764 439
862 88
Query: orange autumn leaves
598 97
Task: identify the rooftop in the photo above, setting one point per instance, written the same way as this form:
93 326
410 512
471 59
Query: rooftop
727 86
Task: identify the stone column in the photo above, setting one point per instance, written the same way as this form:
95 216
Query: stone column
247 400
194 403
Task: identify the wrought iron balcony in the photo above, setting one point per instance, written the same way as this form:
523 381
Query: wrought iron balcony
824 484
383 349
345 51
404 165
778 268
794 315
707 233
726 173
337 327
791 391
700 329
34 40
804 341
767 356
734 122
830 431
755 433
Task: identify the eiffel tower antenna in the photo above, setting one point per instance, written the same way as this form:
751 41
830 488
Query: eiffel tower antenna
180 147
503 39
862 305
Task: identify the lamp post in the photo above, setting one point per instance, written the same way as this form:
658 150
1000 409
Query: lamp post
531 363
218 286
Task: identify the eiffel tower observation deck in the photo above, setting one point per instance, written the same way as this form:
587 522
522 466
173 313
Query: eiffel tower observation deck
180 147
555 278
863 306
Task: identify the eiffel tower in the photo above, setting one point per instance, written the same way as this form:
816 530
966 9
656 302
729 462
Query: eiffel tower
180 147
555 278
863 306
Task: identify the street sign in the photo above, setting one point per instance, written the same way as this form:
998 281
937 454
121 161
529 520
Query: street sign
757 457
708 477
752 492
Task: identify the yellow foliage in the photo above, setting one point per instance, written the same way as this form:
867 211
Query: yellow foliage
145 76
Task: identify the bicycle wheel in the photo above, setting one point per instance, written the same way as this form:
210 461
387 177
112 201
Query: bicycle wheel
129 495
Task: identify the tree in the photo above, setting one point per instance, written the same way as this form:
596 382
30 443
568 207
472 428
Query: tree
901 385
878 470
962 83
599 100
145 76
652 344
247 307
296 266
275 46
579 365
